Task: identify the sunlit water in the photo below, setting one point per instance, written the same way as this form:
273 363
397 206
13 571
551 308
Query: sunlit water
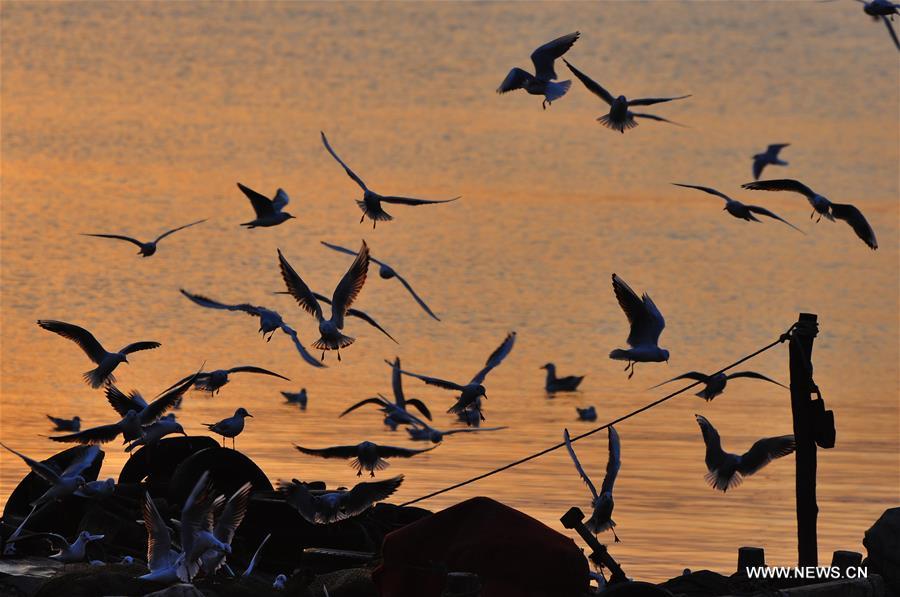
134 118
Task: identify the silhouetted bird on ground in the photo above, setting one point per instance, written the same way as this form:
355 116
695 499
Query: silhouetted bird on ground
541 82
602 503
149 248
647 324
767 158
741 211
568 383
268 211
231 426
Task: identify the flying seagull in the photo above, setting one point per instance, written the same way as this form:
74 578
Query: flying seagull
351 313
387 272
155 432
325 507
371 201
737 209
106 361
365 455
163 560
231 426
542 81
268 211
768 157
715 384
269 321
472 392
69 553
568 383
345 293
62 483
213 381
647 324
422 431
602 503
396 412
620 117
73 424
884 10
821 205
149 248
727 470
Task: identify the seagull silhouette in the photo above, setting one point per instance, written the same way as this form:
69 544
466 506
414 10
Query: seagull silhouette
149 248
213 381
231 426
768 157
268 211
737 209
68 553
162 559
73 424
821 205
541 82
395 413
884 10
371 201
620 117
715 384
326 507
387 272
647 324
330 336
568 383
602 503
106 361
366 455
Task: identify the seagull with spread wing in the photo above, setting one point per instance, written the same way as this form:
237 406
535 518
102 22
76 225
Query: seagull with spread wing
884 10
602 503
106 361
767 158
726 470
715 384
823 206
472 392
269 321
620 117
371 201
647 324
149 248
213 381
326 507
330 336
741 211
422 431
387 272
365 455
351 312
68 553
163 560
542 81
396 412
268 211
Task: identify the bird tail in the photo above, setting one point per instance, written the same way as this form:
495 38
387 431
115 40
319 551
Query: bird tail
620 355
97 377
341 341
556 89
597 528
379 216
719 480
621 126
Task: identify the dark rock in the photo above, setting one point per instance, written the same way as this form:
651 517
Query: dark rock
635 589
353 582
882 543
157 463
84 580
227 468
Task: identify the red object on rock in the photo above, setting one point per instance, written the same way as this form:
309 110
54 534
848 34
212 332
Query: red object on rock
513 554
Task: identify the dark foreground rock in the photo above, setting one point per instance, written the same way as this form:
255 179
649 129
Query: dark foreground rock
882 542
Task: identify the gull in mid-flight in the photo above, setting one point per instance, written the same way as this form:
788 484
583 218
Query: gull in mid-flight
715 384
741 211
268 211
387 272
396 412
269 321
163 560
330 336
728 470
371 201
106 361
366 455
620 117
421 431
542 81
155 432
350 313
472 392
325 507
231 426
768 157
884 10
823 206
647 324
213 381
568 383
69 553
602 503
149 248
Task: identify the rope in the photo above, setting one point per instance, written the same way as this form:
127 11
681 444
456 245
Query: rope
785 336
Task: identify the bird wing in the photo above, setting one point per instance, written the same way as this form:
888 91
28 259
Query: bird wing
755 375
468 429
890 28
350 285
765 451
709 190
196 512
496 357
92 436
433 381
252 369
544 57
758 165
646 321
58 421
581 473
281 200
298 288
262 205
356 313
415 296
657 118
363 495
414 201
299 497
395 452
649 101
211 304
44 471
158 540
592 86
80 336
715 455
397 382
133 241
136 346
773 149
765 212
346 251
689 375
166 400
614 462
233 514
781 184
333 452
378 401
255 557
174 230
857 221
515 79
418 404
347 169
81 462
311 360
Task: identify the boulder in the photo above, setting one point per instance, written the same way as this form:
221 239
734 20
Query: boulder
882 543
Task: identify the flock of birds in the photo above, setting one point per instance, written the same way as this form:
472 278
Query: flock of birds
209 520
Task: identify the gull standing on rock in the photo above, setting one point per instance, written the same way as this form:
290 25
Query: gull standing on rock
345 293
149 248
106 361
542 81
366 455
268 211
230 427
647 324
371 201
715 384
737 209
602 503
326 507
768 157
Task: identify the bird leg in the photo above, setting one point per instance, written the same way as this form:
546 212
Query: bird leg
223 441
362 218
371 473
339 356
232 443
544 104
631 364
374 222
616 537
323 355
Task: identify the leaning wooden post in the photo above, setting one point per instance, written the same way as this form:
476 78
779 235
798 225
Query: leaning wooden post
802 388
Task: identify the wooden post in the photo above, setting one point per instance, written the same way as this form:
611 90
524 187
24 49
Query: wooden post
802 387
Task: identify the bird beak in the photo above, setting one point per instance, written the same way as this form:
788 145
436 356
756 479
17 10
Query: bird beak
249 415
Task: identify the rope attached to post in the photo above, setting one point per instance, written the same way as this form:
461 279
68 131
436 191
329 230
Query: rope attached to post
783 338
